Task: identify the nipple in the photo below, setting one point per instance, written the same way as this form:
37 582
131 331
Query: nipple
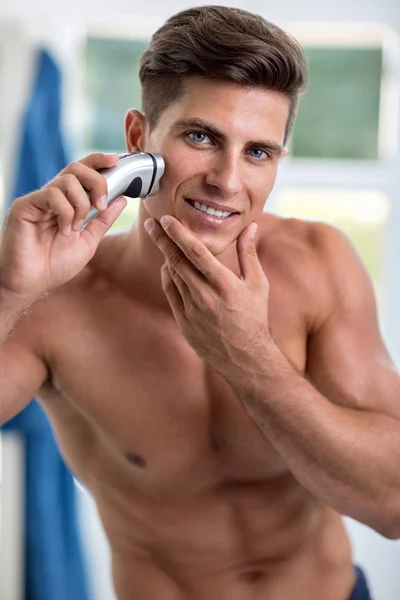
135 459
253 576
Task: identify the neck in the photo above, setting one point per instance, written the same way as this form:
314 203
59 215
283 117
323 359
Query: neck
141 263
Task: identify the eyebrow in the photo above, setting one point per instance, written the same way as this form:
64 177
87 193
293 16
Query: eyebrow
210 129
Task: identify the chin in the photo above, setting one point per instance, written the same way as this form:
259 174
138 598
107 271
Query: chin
213 244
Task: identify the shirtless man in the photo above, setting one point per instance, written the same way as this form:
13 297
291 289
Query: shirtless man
224 397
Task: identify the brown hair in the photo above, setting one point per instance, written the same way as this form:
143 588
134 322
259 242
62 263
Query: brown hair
221 43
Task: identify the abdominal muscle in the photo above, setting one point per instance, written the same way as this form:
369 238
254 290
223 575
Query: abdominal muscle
254 541
206 521
215 529
201 518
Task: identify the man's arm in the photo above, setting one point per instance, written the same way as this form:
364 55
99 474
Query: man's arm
340 434
22 372
341 437
42 247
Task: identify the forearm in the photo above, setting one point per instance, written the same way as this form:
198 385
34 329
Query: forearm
348 458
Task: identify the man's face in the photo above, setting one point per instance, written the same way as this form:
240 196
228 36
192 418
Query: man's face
221 144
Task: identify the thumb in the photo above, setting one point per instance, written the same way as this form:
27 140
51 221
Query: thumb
97 228
247 252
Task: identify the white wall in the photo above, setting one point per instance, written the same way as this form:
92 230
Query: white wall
282 11
380 557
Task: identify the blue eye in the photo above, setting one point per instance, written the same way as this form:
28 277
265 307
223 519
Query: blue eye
198 136
257 153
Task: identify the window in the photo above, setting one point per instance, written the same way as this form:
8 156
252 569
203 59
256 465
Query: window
347 104
111 87
339 114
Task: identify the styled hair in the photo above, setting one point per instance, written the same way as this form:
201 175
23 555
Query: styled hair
221 43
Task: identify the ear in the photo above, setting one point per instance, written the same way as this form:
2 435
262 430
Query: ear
135 130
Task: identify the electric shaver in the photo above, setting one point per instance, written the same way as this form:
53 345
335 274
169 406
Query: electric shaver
136 175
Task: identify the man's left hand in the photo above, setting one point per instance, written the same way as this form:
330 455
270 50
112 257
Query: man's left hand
223 317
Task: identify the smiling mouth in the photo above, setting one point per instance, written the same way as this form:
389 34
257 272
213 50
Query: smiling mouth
214 212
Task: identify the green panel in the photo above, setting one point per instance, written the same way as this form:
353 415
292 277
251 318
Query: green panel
111 87
339 113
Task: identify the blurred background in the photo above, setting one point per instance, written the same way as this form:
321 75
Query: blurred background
344 167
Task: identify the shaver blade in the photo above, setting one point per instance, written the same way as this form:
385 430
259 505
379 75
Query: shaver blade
136 175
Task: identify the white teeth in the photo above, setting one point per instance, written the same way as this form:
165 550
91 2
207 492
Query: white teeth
221 214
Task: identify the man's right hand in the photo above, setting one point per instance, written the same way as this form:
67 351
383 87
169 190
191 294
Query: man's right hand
42 246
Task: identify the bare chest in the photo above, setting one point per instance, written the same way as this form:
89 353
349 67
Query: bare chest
129 392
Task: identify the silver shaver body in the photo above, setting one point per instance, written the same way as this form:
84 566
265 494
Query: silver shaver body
136 175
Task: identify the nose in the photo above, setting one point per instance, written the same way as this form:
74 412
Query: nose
225 175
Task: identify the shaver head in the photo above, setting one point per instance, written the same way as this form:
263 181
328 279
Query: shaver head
136 175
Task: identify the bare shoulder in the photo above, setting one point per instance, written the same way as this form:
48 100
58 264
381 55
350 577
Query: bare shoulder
317 257
318 237
294 243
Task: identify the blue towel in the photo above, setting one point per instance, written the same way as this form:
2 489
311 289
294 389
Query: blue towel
53 554
361 590
42 152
